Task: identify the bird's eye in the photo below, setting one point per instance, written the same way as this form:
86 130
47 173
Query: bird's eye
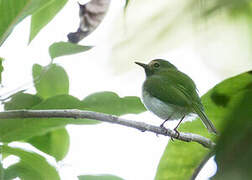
156 65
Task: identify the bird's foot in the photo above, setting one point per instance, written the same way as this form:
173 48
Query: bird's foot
176 135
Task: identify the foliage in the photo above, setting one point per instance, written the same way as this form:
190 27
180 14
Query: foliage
31 166
1 68
44 15
220 103
228 104
66 48
12 12
99 177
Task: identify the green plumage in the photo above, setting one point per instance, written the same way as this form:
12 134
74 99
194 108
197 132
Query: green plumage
171 94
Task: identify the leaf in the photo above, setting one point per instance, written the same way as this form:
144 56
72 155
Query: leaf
12 12
66 48
99 177
22 100
126 5
44 15
233 8
91 16
50 80
1 170
180 159
20 129
233 149
31 166
59 102
55 143
111 103
107 102
1 69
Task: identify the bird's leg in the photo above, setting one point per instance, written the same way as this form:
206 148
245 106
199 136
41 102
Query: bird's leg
162 125
175 129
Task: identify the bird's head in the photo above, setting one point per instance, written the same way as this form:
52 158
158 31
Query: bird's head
156 65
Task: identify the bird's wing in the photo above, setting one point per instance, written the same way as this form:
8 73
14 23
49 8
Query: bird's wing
178 89
172 87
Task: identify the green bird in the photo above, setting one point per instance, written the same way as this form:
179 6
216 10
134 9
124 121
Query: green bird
170 94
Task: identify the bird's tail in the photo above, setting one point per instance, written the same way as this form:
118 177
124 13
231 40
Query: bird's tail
209 125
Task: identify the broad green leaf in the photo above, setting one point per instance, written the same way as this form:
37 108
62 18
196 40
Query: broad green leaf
55 143
12 12
1 69
22 100
111 103
21 129
66 48
180 158
50 80
106 102
31 166
44 15
234 147
99 177
36 72
59 102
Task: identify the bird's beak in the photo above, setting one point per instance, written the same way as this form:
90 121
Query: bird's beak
142 64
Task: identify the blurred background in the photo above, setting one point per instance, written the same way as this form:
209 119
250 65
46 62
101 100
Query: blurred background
208 40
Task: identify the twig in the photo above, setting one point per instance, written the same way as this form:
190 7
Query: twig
188 137
201 165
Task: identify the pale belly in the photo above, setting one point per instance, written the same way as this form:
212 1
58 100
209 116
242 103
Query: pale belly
163 110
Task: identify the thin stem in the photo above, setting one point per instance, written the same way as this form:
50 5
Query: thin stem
201 165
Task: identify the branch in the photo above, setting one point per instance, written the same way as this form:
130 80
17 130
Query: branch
187 137
201 165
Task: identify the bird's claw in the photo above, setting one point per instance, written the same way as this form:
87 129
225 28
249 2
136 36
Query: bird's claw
176 135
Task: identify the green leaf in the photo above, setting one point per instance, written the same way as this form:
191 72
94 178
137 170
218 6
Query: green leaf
66 48
106 102
180 159
50 80
111 103
31 166
22 100
1 170
44 15
59 102
20 129
1 69
55 143
233 149
126 5
99 177
12 12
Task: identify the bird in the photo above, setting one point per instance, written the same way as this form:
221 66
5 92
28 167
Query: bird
171 94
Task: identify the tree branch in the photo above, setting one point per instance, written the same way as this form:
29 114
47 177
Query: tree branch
187 137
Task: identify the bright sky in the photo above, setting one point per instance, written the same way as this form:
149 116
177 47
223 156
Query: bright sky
103 148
